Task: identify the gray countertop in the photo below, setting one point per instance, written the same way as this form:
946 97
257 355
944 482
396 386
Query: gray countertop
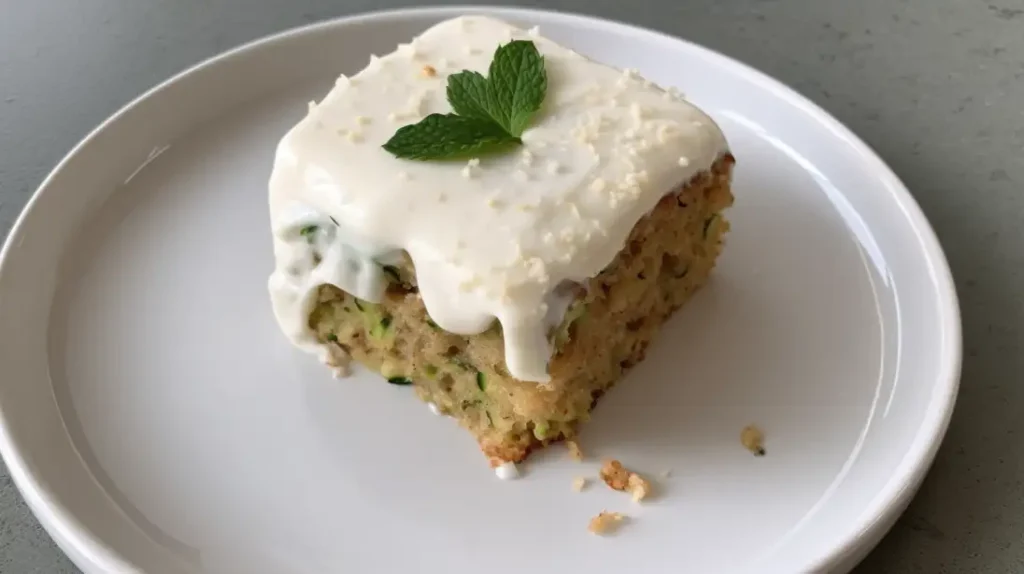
936 86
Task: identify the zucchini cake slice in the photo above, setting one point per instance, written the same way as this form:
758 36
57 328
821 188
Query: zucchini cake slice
510 287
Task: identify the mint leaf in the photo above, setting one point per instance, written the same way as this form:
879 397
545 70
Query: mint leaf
519 82
490 113
469 95
448 136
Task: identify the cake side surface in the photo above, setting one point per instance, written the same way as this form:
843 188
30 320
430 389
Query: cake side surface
610 320
494 244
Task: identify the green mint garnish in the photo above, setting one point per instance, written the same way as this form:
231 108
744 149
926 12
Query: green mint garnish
510 95
490 113
447 136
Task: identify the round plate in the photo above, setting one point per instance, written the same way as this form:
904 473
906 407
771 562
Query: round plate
156 419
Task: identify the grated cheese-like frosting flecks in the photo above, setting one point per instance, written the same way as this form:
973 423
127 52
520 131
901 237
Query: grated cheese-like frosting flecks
490 239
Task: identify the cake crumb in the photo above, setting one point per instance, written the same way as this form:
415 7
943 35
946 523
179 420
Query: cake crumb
429 71
619 477
606 522
638 486
579 483
575 452
753 440
338 360
615 475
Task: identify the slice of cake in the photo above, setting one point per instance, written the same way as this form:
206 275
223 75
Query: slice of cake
497 221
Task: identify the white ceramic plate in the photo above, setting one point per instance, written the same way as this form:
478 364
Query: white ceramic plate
156 420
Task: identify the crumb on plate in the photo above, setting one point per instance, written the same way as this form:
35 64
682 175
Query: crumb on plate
606 522
579 483
753 440
638 486
574 450
615 475
429 71
619 477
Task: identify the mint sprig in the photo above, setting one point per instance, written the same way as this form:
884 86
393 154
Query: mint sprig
448 136
490 113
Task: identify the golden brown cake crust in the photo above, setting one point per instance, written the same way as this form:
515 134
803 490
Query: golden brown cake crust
615 315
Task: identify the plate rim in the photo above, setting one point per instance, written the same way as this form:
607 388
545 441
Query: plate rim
79 542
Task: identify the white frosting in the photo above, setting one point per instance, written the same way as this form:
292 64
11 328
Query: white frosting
490 238
507 471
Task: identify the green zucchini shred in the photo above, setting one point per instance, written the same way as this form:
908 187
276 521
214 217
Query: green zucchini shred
380 330
308 232
399 381
481 381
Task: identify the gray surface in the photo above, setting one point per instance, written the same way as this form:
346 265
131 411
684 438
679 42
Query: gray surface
936 86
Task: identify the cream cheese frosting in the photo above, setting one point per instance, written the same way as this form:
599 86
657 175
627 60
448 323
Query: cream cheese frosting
491 238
